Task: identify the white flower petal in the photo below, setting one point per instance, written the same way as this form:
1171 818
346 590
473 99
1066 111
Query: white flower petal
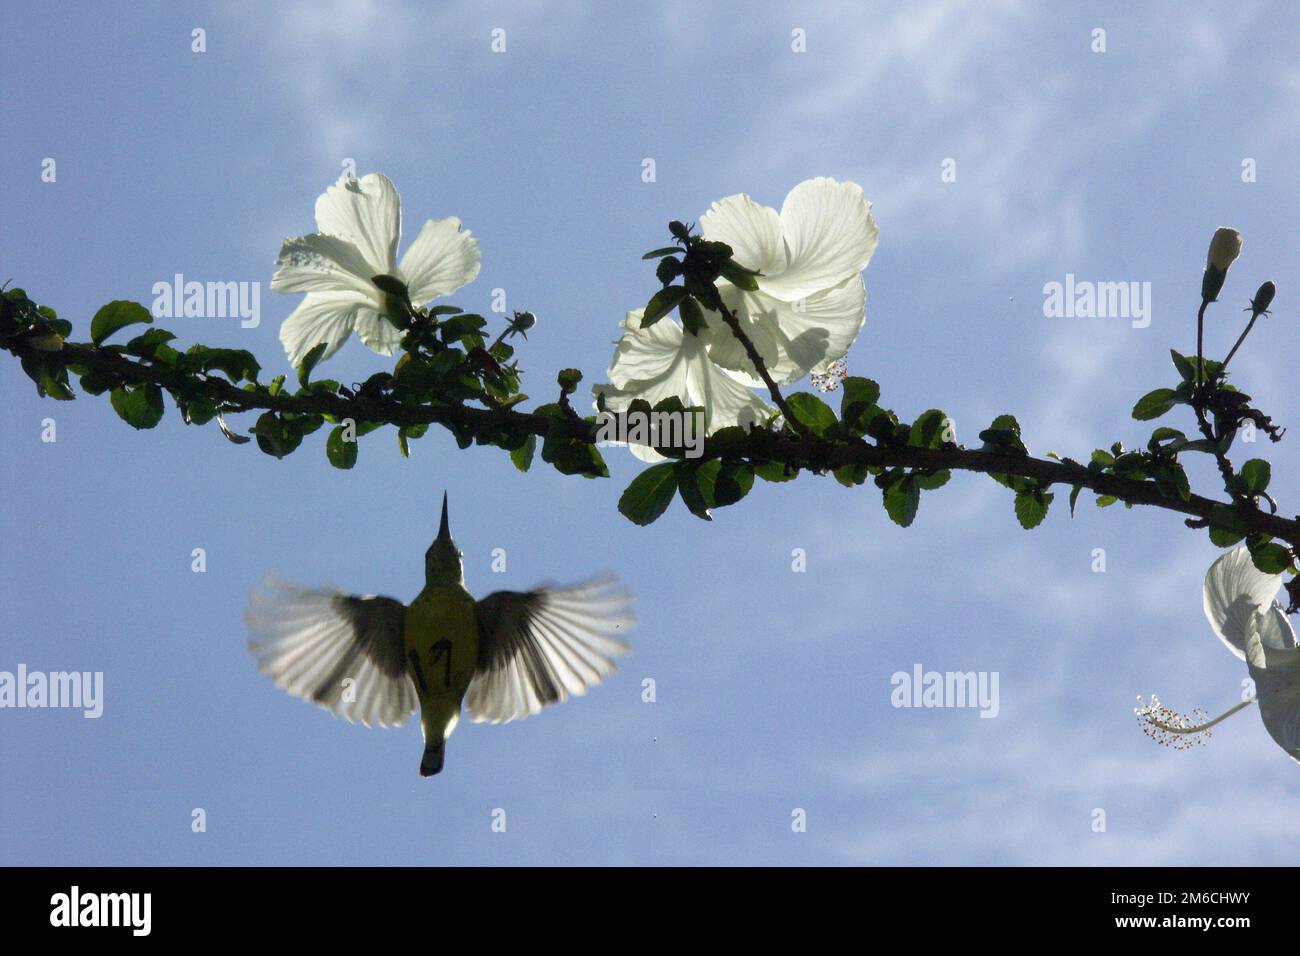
1235 591
318 263
830 235
320 317
442 258
376 332
726 401
792 338
643 355
663 362
758 320
752 231
367 213
1276 673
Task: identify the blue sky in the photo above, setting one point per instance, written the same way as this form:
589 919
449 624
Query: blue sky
773 687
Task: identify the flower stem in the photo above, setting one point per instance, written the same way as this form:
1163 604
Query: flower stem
733 323
1249 325
1201 728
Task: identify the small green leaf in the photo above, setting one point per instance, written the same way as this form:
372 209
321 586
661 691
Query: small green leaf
661 303
341 453
309 362
812 412
1004 434
902 498
935 481
859 395
649 494
692 316
740 277
1225 537
1031 507
734 481
661 252
927 430
696 484
776 471
1074 496
1256 474
116 315
140 407
1154 404
1271 558
523 455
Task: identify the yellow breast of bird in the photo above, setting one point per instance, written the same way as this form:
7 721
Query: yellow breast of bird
441 639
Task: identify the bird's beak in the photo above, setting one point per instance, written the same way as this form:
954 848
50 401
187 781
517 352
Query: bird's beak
444 533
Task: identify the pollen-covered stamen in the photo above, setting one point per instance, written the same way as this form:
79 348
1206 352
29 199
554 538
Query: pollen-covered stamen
1169 728
830 379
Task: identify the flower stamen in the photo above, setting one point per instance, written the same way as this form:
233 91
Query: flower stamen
1169 728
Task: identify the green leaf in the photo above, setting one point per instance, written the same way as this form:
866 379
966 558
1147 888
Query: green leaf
1004 434
1225 537
1154 404
523 455
661 303
851 476
1256 474
935 481
927 430
569 456
1271 558
692 316
309 362
141 407
1031 507
661 252
1074 496
276 436
734 481
776 471
649 494
697 484
812 412
902 498
1185 367
236 363
341 454
740 277
116 315
729 442
859 395
198 410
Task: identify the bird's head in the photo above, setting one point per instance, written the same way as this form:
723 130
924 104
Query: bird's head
442 562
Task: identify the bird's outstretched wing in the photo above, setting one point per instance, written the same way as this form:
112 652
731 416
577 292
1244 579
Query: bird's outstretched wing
538 647
311 641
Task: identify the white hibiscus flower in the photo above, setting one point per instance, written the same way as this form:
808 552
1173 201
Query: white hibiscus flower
811 300
1241 606
360 223
664 361
807 311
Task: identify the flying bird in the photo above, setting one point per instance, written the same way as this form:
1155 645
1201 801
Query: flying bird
376 660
